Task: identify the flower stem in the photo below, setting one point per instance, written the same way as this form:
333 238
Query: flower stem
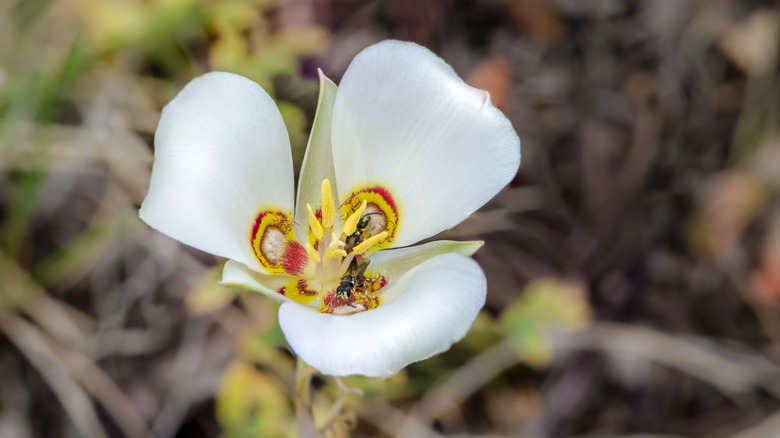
302 399
341 418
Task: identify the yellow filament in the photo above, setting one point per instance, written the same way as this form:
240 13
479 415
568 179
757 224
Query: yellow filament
328 207
314 224
350 225
313 254
368 243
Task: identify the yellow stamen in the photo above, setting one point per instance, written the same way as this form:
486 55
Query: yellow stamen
334 245
368 243
313 254
338 253
350 225
331 252
328 207
314 224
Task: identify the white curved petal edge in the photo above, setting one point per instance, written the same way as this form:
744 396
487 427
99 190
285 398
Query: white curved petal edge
405 120
236 274
439 301
318 160
393 263
221 154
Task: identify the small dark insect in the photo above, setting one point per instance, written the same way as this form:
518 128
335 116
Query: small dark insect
354 239
351 280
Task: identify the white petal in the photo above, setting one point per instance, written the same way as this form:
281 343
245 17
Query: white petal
318 161
404 120
440 299
239 275
393 263
221 155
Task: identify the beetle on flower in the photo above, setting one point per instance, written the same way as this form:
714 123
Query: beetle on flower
401 150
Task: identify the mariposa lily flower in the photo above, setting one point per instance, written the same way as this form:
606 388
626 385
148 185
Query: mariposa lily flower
402 150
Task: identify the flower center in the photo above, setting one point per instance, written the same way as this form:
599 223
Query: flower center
330 271
341 255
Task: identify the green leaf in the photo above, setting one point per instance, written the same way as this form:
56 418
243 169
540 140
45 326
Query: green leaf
208 295
545 304
251 404
295 120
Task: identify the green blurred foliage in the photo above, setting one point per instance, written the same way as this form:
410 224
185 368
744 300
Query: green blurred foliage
296 122
208 296
50 51
252 404
168 36
547 304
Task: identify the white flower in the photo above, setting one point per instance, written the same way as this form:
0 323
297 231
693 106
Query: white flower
407 148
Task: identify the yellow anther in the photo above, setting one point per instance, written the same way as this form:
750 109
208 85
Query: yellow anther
313 254
350 225
368 243
334 245
328 207
332 252
314 224
338 253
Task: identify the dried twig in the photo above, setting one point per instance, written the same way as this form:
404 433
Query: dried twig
33 344
734 373
107 393
464 382
766 429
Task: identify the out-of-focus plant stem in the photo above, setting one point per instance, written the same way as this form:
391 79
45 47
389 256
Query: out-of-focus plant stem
302 399
35 346
339 419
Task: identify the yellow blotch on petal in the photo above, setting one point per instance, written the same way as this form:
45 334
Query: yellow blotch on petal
274 243
379 200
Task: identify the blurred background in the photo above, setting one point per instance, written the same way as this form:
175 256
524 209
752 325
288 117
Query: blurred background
633 264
